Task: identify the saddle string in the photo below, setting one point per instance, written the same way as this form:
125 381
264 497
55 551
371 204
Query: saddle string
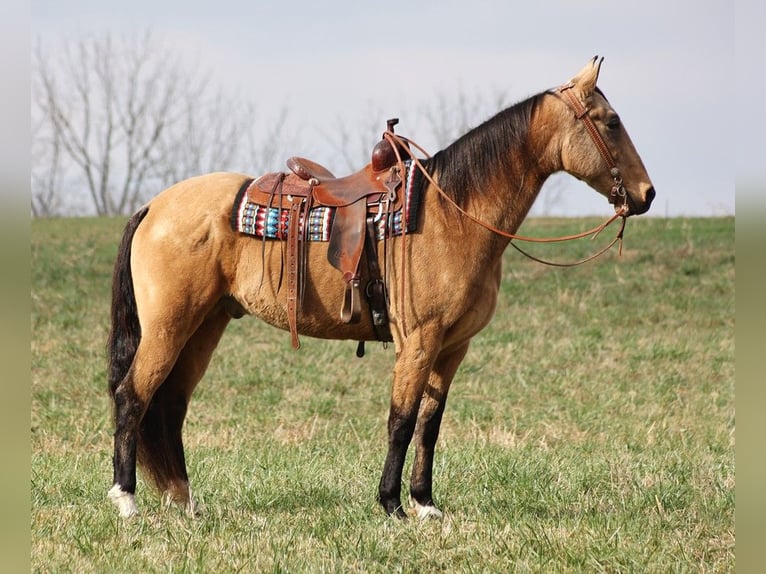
593 233
389 135
275 190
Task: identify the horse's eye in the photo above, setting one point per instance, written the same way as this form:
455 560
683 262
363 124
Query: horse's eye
613 122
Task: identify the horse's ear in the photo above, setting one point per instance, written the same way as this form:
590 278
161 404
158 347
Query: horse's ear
586 78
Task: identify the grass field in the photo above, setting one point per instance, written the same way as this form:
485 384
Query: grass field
590 428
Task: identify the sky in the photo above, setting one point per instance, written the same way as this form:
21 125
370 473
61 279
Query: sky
669 71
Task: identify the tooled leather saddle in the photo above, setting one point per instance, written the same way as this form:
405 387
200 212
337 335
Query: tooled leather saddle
358 200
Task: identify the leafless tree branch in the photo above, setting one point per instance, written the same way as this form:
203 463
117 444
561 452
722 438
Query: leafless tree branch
122 118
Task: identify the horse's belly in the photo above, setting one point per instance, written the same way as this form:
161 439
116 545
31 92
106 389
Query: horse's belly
262 286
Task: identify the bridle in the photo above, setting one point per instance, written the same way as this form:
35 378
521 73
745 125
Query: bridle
618 192
617 195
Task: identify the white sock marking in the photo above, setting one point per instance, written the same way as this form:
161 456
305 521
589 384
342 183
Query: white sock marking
425 512
125 501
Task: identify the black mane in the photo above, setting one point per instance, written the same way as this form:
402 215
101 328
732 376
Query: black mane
488 148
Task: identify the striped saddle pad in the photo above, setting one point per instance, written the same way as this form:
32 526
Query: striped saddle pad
271 222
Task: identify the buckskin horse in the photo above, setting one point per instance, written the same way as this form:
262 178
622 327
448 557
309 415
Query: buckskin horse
183 272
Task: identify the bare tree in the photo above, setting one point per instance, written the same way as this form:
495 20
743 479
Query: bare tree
46 169
433 124
548 203
352 146
449 116
121 119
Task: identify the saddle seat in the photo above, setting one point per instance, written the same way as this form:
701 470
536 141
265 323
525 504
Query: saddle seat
342 191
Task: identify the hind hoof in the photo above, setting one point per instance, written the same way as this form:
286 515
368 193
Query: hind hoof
124 501
182 498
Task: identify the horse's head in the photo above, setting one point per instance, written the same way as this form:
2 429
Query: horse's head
597 149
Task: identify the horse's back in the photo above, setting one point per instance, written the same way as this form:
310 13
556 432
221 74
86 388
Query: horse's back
199 198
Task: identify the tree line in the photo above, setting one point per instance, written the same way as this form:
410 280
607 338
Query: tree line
116 120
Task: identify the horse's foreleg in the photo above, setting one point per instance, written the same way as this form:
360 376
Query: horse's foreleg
413 365
427 430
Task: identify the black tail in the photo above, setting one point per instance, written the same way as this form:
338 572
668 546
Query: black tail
125 333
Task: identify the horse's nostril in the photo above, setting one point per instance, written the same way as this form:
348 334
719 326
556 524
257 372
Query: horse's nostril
650 193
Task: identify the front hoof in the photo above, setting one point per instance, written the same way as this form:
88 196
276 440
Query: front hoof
427 511
394 508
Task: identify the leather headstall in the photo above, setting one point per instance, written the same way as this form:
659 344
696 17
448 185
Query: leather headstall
618 195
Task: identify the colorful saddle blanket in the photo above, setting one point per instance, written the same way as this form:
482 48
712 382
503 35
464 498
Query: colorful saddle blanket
271 222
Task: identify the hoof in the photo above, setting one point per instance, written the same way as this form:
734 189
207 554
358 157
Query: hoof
181 498
124 501
429 511
393 507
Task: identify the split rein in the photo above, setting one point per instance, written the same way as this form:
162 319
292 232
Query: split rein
618 192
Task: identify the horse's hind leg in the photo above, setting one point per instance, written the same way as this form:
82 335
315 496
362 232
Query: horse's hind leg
150 407
427 430
154 358
160 446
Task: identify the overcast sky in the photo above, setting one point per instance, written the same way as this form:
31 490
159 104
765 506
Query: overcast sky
668 68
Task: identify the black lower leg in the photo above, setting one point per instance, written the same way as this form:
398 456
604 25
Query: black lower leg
161 451
400 430
127 415
421 481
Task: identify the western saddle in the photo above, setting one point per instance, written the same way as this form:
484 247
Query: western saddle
359 201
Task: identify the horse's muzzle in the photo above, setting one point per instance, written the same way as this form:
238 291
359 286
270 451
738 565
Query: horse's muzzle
635 208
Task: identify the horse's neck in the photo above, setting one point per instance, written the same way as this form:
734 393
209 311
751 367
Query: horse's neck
496 171
513 188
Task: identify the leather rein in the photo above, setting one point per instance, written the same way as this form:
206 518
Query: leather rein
617 195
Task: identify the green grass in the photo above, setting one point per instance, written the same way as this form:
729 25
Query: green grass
589 429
